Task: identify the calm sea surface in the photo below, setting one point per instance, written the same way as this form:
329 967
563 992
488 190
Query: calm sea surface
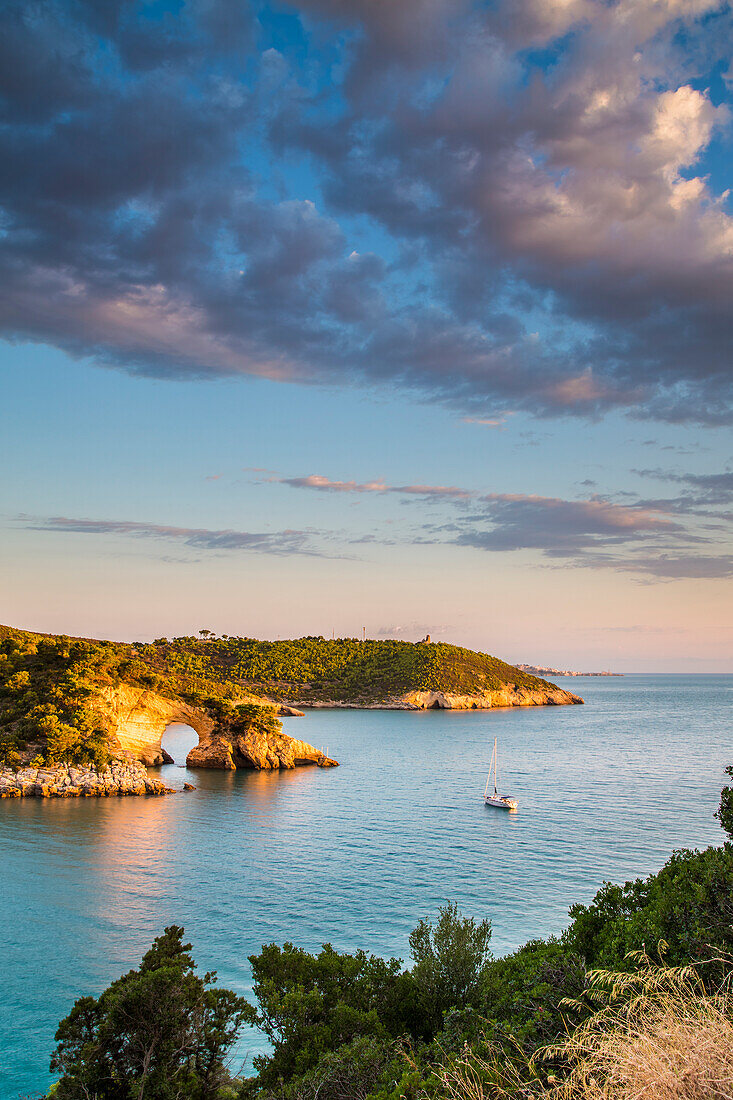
355 855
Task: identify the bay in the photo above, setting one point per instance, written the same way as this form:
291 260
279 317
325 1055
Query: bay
355 855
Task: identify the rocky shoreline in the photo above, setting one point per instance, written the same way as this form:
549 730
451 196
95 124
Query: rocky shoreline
120 778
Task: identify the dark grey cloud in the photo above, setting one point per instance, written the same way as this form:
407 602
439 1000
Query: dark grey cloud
552 241
561 528
600 535
701 492
200 538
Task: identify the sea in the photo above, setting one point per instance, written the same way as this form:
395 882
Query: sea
355 855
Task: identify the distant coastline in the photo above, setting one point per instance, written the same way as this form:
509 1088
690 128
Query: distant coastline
543 670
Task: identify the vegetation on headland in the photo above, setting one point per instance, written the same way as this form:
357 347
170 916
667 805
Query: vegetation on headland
48 683
631 1000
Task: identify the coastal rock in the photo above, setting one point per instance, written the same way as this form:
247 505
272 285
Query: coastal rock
214 752
508 696
121 777
257 750
137 719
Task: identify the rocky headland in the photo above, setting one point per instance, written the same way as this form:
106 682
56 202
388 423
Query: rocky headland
253 749
105 706
545 670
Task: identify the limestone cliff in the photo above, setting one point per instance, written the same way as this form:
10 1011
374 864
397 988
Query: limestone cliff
137 718
510 695
254 749
67 781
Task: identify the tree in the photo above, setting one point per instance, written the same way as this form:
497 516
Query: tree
725 809
450 959
312 1004
157 1033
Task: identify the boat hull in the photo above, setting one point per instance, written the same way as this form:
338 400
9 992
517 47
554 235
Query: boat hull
501 803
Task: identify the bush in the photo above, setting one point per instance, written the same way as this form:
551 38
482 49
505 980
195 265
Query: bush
310 1005
688 906
725 809
524 990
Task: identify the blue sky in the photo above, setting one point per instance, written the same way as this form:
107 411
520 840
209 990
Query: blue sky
333 315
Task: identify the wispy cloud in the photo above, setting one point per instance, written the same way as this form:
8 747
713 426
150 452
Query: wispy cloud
559 528
679 566
498 422
709 489
326 485
412 630
200 538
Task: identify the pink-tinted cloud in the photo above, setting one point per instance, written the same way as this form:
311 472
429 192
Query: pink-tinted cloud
326 485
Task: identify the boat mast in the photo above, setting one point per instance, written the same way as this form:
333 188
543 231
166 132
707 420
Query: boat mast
488 777
496 764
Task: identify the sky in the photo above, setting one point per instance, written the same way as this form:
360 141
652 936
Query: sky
336 315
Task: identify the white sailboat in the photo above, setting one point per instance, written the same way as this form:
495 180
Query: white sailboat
502 802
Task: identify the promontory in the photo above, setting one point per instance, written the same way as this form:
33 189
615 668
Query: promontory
81 702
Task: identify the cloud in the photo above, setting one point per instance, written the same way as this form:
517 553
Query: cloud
682 566
560 528
412 630
200 538
534 174
702 490
326 485
645 538
498 422
594 532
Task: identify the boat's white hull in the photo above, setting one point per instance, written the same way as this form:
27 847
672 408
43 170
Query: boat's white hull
501 803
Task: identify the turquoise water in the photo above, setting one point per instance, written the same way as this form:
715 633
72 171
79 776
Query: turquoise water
357 854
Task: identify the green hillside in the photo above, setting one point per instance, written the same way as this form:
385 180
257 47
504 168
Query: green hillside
48 682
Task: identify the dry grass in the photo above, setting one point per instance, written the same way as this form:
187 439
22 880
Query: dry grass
489 1077
658 1036
653 1035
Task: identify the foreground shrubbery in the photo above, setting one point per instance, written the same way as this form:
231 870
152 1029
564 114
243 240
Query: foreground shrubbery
590 1014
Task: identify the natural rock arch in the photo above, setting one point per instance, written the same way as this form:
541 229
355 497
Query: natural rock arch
137 719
